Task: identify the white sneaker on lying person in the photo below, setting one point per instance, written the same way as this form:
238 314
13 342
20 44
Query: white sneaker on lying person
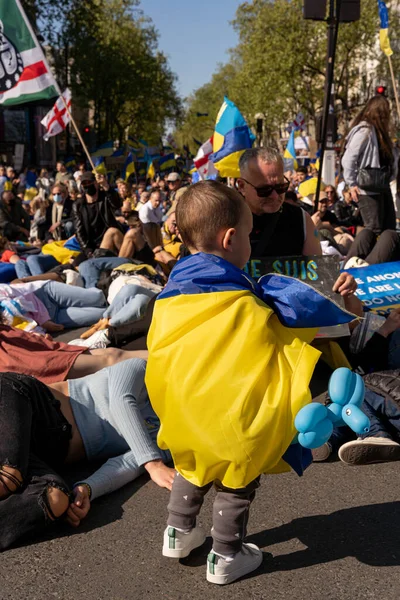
73 278
366 451
355 262
99 339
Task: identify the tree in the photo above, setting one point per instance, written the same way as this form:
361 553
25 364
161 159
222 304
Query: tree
106 51
278 66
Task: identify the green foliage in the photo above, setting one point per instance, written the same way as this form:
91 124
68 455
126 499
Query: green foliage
278 66
106 51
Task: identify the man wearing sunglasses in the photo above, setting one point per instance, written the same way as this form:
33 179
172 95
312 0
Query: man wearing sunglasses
279 228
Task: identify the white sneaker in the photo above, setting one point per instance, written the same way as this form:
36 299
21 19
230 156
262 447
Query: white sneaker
221 571
369 450
179 545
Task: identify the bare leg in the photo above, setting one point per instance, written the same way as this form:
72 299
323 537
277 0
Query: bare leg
112 239
86 364
133 242
58 502
9 485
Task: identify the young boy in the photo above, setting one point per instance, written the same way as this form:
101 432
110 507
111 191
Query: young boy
226 380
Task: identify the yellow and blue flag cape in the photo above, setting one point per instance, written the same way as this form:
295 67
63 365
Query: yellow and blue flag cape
225 376
384 29
232 137
290 151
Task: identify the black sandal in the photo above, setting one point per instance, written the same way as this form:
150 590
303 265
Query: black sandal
11 478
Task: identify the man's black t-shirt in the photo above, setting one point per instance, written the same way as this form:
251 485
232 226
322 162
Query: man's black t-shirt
278 234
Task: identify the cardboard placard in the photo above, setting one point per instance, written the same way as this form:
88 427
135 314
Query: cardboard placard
319 271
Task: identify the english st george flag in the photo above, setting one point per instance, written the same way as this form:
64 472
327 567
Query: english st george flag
202 161
24 73
57 118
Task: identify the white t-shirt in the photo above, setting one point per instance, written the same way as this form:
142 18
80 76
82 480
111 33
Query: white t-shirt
148 214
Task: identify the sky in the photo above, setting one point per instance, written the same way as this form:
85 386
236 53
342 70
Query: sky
195 35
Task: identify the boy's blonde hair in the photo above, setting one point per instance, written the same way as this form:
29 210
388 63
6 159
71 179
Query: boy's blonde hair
205 209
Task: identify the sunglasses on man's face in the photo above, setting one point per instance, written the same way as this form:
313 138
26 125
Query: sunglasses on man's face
263 191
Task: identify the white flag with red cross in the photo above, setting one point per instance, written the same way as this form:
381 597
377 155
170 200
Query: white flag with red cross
202 162
58 117
299 122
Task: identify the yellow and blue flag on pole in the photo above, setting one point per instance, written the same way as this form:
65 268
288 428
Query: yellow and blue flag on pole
99 165
232 136
384 30
290 152
105 149
151 172
167 162
129 166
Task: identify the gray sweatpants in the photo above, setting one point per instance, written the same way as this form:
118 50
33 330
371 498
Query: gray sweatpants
230 511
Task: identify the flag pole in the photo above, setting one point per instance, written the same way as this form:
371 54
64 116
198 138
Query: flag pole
78 133
56 86
394 85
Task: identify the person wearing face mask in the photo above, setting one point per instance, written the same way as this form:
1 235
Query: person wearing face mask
62 226
14 220
96 226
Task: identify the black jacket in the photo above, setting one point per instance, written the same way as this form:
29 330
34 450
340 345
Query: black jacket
346 214
87 235
11 219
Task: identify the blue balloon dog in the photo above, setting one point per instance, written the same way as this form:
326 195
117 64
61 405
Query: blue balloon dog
315 422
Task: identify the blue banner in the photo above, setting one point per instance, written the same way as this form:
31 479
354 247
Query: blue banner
379 286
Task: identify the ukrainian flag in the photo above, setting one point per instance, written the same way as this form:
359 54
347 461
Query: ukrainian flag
151 172
290 152
105 149
384 30
99 165
70 163
167 162
232 137
133 142
129 166
142 166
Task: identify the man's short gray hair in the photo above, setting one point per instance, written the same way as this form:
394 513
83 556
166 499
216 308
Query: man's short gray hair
265 154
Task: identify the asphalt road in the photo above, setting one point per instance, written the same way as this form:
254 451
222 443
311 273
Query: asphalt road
333 534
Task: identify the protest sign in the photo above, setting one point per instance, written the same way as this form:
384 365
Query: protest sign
378 286
319 271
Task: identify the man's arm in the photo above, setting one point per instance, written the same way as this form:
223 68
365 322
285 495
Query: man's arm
311 246
7 227
26 222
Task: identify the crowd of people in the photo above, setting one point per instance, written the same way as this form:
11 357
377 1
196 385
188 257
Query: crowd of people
80 252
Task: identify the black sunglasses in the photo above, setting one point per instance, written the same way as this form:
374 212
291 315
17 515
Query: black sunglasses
263 191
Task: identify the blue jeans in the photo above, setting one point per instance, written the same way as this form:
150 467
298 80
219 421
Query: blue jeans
129 305
72 306
384 415
394 350
37 264
90 269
